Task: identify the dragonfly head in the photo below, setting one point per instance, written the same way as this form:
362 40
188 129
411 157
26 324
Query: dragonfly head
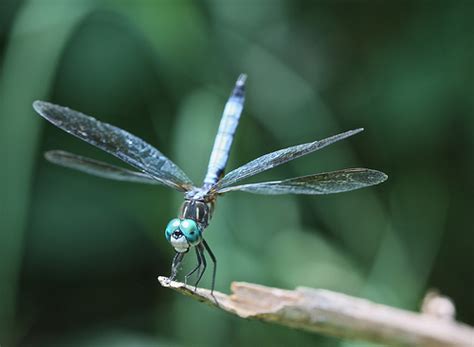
183 233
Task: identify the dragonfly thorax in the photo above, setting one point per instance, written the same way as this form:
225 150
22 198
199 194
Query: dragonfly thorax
198 211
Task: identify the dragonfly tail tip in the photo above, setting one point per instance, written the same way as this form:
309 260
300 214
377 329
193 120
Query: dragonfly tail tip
241 80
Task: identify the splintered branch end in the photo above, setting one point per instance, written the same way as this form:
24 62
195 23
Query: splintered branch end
331 313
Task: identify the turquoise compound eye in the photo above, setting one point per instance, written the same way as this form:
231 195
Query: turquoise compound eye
171 227
191 231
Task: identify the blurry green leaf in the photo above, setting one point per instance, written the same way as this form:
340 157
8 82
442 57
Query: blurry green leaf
302 258
36 42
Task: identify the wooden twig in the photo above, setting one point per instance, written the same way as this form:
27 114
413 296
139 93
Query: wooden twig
333 314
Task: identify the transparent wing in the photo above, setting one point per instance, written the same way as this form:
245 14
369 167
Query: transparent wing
271 160
317 184
118 142
97 168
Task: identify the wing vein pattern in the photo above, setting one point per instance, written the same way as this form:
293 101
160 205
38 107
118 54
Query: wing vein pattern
97 168
317 184
271 160
120 143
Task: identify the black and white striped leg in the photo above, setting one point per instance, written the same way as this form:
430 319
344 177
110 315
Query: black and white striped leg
199 263
214 265
177 260
200 251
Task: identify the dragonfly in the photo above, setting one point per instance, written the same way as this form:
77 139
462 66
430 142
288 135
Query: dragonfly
152 167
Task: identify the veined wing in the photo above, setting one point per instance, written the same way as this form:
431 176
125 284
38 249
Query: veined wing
120 143
317 184
97 168
271 160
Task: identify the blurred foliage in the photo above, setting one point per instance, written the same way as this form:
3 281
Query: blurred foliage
80 255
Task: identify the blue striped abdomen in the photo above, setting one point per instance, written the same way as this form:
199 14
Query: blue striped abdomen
225 134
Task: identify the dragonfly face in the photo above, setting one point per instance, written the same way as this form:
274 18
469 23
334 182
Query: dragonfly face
182 234
185 231
154 167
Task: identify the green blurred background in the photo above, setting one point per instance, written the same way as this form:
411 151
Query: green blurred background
79 255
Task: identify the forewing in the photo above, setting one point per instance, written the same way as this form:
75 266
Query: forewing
271 160
317 184
97 168
118 142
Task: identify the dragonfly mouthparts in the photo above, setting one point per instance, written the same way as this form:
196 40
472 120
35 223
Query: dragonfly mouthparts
177 234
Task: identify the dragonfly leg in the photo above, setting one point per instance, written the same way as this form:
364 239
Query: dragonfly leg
199 263
200 250
177 259
214 265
